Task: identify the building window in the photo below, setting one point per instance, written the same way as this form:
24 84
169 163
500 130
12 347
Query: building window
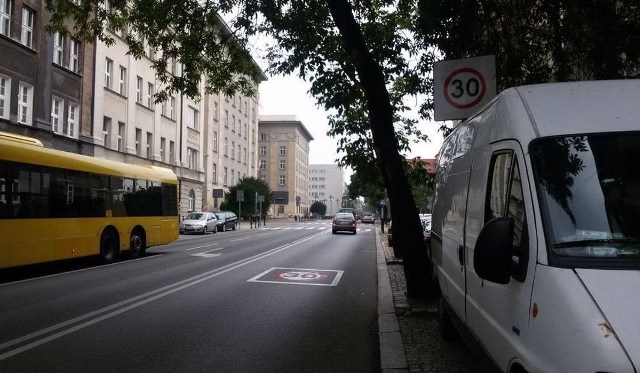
283 164
214 174
226 119
26 34
106 128
224 177
192 118
233 150
74 55
120 136
215 141
69 129
263 137
192 200
108 73
25 103
57 106
239 153
163 145
233 123
192 159
58 48
5 97
138 141
172 107
281 180
5 17
244 155
149 145
150 95
262 165
263 150
122 82
226 147
139 90
283 150
215 111
172 152
233 177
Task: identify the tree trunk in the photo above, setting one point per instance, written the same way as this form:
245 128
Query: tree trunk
407 230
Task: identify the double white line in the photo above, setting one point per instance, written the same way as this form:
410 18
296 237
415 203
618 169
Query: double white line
56 331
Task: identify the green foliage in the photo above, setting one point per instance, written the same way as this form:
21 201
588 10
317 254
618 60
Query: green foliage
249 206
318 208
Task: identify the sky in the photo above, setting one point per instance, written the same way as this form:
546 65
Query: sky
288 96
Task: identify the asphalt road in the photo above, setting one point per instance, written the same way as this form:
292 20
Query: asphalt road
272 299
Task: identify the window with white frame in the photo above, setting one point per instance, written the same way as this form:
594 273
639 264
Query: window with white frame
108 73
25 103
191 200
226 147
244 155
57 107
192 118
150 90
149 145
262 165
139 90
73 116
263 137
283 150
172 152
215 141
192 159
239 127
239 153
245 130
138 141
233 150
5 17
233 177
122 81
263 150
120 136
224 177
74 55
283 164
163 145
282 179
172 107
215 111
106 130
58 48
226 118
5 96
26 31
214 174
233 123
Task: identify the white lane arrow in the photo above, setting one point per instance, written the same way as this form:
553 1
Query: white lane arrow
208 254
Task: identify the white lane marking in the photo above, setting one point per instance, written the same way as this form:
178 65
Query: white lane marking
131 303
239 239
200 247
208 254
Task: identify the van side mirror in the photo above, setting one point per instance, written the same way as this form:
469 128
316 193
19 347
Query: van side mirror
492 254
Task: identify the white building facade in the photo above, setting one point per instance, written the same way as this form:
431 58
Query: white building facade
326 185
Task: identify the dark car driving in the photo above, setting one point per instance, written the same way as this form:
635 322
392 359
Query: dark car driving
226 220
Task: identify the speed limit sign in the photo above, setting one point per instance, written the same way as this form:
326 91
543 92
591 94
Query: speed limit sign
462 86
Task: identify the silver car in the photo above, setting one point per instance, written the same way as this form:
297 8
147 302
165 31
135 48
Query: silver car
199 222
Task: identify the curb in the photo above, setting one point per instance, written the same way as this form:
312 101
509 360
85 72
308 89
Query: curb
392 354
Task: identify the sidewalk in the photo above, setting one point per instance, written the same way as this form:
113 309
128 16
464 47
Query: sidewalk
408 328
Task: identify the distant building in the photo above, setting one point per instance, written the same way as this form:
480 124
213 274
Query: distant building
326 184
283 163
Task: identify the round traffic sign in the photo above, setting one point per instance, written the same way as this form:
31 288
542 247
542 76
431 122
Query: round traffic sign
301 275
464 88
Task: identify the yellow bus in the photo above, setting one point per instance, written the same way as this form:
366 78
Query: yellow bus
57 205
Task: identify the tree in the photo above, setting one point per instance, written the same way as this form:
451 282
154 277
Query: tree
252 187
318 208
357 58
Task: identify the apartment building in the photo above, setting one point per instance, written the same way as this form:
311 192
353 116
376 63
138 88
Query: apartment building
45 80
326 185
283 163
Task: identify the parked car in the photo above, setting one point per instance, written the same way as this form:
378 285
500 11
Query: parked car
535 238
199 222
368 218
344 221
226 220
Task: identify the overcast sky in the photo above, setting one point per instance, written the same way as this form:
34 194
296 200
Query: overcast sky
288 96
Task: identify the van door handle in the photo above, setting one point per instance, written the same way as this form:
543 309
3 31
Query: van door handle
461 254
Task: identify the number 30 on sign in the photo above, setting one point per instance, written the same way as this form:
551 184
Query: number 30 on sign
462 86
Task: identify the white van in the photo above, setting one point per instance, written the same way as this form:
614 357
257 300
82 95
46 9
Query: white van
535 238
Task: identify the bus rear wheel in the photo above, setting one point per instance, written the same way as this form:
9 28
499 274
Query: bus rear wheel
109 246
137 243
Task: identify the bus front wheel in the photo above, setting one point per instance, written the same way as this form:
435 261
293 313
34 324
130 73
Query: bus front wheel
137 243
109 246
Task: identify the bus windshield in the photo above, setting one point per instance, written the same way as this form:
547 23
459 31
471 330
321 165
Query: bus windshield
589 194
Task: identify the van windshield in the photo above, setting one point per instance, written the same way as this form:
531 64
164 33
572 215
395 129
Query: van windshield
589 194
